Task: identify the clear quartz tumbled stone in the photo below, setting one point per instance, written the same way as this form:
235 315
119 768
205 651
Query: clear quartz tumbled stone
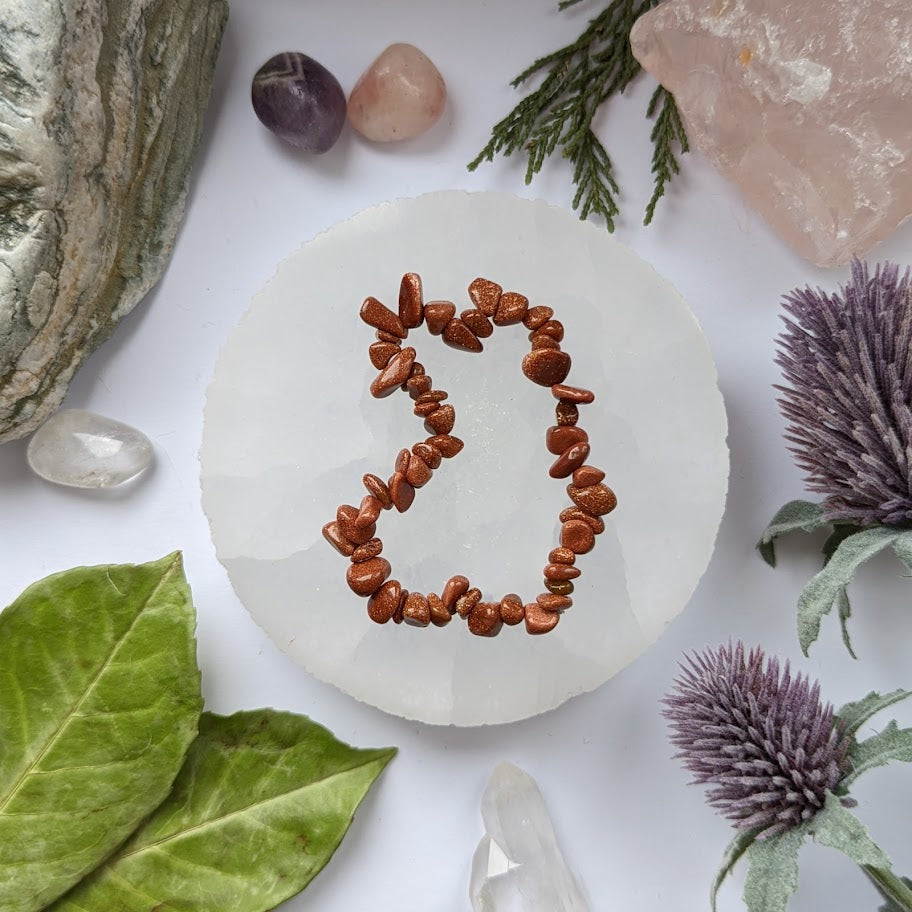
518 865
83 450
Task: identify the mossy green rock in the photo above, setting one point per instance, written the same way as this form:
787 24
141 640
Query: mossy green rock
101 108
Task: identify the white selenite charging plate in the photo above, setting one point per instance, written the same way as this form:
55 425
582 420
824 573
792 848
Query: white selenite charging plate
290 428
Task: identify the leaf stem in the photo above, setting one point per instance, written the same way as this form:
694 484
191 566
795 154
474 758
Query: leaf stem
894 889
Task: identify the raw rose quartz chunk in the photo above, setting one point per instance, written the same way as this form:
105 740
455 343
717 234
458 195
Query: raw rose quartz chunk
400 96
807 107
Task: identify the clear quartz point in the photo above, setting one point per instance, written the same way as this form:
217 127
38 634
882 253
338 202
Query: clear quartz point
518 865
83 450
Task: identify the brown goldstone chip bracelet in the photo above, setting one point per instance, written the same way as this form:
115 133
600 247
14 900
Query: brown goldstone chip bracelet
352 533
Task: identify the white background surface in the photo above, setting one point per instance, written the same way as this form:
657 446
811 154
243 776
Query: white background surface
634 834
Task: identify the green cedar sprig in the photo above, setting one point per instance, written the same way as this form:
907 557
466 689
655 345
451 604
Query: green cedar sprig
667 133
578 79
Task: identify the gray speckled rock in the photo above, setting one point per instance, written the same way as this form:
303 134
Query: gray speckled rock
101 105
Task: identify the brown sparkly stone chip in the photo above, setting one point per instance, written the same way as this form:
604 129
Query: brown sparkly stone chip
353 532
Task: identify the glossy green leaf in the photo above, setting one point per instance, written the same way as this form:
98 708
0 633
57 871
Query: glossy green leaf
796 515
893 743
820 593
99 701
772 875
259 808
854 715
837 827
736 848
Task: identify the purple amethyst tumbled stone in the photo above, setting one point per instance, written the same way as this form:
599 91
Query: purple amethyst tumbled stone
300 101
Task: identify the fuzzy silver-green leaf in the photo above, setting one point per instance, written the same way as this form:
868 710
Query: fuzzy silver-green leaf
772 874
903 548
796 515
844 609
853 715
260 806
822 591
99 702
893 743
841 531
743 840
837 827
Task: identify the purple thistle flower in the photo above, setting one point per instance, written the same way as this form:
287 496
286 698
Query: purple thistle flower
848 358
764 741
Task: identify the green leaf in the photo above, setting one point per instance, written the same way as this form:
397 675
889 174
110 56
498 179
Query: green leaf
796 515
841 531
893 743
837 827
260 806
891 889
853 715
844 607
773 873
736 848
903 548
820 593
99 701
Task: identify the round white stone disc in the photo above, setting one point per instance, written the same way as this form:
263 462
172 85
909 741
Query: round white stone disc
290 428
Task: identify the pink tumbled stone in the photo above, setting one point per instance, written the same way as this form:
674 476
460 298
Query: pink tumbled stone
401 95
806 106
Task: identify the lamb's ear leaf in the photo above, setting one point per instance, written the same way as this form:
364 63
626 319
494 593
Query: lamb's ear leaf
841 531
796 515
854 715
823 590
772 875
837 827
844 608
99 701
893 743
903 548
736 849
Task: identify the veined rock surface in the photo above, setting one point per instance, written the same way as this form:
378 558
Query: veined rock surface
101 107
